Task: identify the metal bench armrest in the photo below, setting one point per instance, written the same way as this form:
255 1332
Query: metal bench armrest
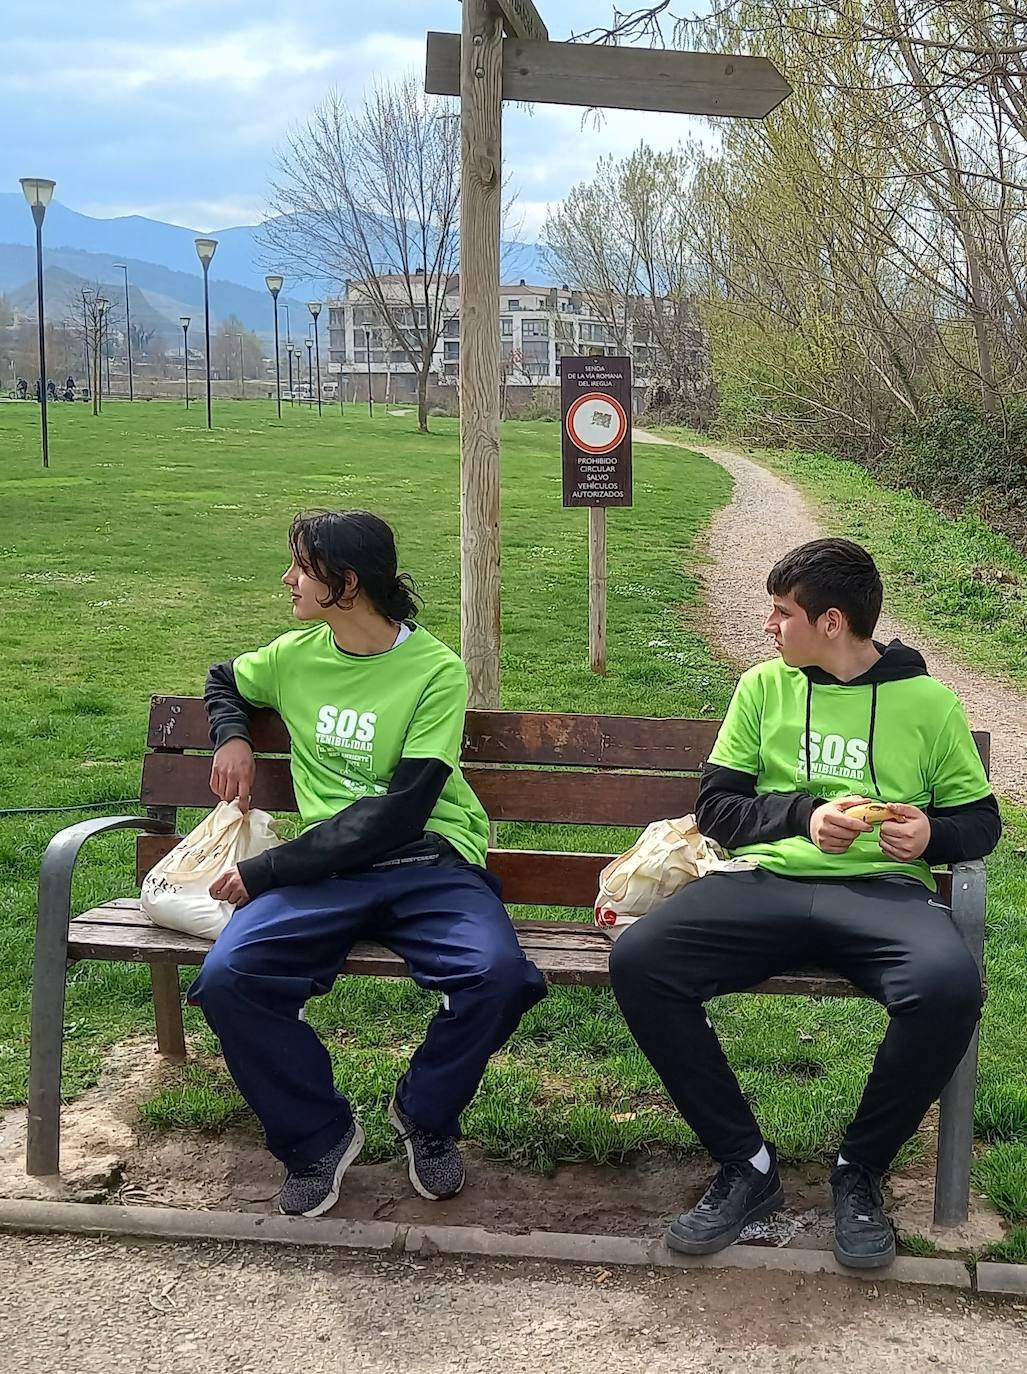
969 901
61 856
49 971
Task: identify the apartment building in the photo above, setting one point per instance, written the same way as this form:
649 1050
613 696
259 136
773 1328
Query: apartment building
538 325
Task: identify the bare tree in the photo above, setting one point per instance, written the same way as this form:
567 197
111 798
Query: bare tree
371 197
622 239
92 326
236 350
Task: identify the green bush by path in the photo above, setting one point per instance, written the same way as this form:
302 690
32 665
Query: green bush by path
152 548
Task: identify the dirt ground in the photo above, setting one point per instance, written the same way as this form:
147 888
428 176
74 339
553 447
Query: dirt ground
765 518
107 1154
97 1306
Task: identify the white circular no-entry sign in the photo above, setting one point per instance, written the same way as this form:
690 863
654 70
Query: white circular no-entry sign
596 422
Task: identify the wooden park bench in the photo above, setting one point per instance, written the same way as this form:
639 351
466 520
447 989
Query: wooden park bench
525 766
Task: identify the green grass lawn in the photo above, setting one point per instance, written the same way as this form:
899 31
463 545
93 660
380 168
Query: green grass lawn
152 548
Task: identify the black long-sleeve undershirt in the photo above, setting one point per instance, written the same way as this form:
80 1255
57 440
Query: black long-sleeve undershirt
363 833
228 711
730 812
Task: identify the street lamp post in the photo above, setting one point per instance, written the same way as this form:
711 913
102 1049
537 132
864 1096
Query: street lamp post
315 309
310 371
242 370
274 285
184 321
105 339
101 308
85 341
205 249
292 394
39 192
128 331
367 352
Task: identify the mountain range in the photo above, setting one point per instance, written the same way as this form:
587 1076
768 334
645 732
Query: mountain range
164 272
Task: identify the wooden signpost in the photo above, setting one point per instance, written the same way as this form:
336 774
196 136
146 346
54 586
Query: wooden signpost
595 403
483 69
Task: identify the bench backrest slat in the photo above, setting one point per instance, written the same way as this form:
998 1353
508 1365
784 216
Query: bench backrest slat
546 795
491 737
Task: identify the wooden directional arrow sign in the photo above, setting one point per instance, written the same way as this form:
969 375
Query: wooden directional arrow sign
520 17
611 78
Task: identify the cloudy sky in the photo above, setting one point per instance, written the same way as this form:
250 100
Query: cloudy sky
174 108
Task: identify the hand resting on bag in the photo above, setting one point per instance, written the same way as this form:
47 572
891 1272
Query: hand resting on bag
232 772
230 888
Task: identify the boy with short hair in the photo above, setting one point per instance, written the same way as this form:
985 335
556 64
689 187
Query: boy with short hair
835 721
394 849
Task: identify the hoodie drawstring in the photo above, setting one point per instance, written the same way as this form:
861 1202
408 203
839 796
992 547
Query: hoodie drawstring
870 732
873 723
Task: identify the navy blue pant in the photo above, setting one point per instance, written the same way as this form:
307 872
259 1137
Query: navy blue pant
288 945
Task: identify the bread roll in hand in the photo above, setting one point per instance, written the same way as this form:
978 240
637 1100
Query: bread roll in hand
871 813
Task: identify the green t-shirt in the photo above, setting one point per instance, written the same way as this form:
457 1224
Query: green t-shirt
352 718
923 754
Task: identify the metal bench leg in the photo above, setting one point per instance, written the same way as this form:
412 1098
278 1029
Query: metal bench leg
46 1049
955 1142
167 1011
956 1122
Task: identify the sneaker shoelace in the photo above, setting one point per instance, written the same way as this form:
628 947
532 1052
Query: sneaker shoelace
432 1146
720 1189
864 1195
308 1170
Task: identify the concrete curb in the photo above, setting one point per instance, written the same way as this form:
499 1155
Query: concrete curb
167 1224
1002 1278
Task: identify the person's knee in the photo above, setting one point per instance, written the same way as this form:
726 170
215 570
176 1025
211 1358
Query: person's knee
638 954
508 977
217 984
949 991
228 976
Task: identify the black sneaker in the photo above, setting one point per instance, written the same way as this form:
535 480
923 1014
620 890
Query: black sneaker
310 1191
863 1237
739 1194
436 1165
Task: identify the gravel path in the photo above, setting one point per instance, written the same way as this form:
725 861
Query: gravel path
766 518
105 1307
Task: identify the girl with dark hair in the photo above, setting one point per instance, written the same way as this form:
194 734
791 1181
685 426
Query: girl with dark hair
394 848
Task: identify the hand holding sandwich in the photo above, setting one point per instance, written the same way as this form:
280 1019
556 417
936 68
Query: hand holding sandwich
905 830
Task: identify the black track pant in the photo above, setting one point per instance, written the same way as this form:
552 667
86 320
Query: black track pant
891 937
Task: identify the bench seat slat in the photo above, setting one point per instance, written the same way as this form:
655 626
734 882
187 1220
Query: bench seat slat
567 952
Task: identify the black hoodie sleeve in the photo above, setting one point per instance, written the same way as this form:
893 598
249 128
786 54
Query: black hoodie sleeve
729 811
364 832
228 711
959 833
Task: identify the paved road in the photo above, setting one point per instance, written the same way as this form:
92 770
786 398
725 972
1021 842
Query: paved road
108 1307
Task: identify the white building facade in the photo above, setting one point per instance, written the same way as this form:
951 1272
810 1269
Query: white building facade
538 325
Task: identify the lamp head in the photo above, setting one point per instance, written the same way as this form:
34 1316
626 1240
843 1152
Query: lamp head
310 344
38 192
183 320
314 307
205 249
274 283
